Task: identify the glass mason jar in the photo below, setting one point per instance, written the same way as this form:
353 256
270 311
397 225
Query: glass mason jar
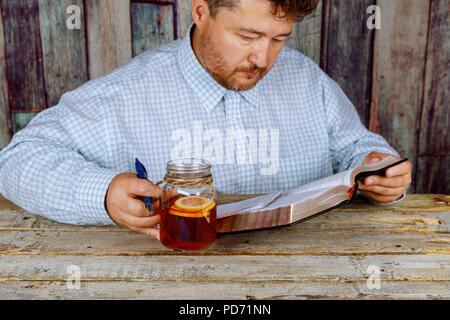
188 205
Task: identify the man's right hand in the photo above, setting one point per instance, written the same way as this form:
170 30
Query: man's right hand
126 207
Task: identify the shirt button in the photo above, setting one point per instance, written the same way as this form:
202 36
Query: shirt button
235 118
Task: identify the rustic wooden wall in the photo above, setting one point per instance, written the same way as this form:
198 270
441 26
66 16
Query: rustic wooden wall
397 76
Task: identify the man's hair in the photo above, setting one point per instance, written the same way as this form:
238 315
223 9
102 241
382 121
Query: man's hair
291 9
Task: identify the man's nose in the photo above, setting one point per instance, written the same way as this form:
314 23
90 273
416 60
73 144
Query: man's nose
260 54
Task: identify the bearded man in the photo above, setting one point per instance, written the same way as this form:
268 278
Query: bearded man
231 73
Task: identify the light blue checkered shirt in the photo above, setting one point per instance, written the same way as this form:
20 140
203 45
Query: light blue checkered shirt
164 104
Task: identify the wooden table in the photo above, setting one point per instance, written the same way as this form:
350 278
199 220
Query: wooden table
331 256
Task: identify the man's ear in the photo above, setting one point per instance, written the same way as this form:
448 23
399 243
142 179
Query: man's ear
200 11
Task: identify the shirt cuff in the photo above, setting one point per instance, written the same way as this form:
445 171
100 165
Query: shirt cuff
91 193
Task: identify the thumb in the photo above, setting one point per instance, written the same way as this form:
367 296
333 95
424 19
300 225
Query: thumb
374 159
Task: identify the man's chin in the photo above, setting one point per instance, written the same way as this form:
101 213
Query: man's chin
241 85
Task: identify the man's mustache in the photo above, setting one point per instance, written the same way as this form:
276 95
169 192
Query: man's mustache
252 69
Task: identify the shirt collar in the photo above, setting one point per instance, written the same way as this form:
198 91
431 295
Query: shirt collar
202 83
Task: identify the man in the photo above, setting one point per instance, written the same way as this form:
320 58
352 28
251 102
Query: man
231 73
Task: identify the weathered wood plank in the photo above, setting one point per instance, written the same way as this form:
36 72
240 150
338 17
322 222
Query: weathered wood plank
434 139
21 119
415 213
399 62
433 174
227 268
64 50
186 268
5 117
152 26
306 35
109 35
186 290
183 17
347 53
295 240
23 55
238 277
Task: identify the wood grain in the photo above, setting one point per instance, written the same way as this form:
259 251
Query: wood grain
152 26
433 174
271 290
5 118
64 50
341 232
21 119
227 268
324 258
348 51
399 58
306 35
109 35
184 17
23 55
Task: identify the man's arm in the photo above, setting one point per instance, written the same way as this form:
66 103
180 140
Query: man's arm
351 145
350 141
45 168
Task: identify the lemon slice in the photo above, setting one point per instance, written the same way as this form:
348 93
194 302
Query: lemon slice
196 214
194 203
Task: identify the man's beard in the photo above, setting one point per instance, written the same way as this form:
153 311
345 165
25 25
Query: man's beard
214 63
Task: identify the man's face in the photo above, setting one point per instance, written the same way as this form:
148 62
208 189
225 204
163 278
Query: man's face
239 46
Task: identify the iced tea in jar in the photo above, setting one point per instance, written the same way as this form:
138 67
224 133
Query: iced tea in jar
188 205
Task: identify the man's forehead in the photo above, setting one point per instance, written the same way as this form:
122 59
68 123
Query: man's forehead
256 17
261 33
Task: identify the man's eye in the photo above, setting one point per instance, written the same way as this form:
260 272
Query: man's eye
245 38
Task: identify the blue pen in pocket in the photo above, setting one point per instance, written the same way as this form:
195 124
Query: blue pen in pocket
142 174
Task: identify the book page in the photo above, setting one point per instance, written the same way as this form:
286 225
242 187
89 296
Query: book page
341 178
246 205
287 199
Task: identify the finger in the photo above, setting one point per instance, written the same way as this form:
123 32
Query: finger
135 207
385 191
399 170
379 198
142 187
170 193
152 232
390 182
375 159
128 220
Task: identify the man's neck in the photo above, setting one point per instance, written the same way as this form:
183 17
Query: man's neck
195 44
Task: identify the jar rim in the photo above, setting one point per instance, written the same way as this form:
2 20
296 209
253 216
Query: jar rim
188 165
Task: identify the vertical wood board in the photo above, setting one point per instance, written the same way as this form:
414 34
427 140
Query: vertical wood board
5 120
306 35
399 63
23 55
152 26
64 50
109 35
348 51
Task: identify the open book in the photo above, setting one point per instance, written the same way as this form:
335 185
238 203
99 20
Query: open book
284 208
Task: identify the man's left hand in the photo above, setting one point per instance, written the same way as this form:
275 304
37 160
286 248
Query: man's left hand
391 186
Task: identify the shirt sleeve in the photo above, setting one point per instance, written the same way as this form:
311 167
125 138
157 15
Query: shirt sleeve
350 141
53 167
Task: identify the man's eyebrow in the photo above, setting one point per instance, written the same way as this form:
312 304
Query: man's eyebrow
259 33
